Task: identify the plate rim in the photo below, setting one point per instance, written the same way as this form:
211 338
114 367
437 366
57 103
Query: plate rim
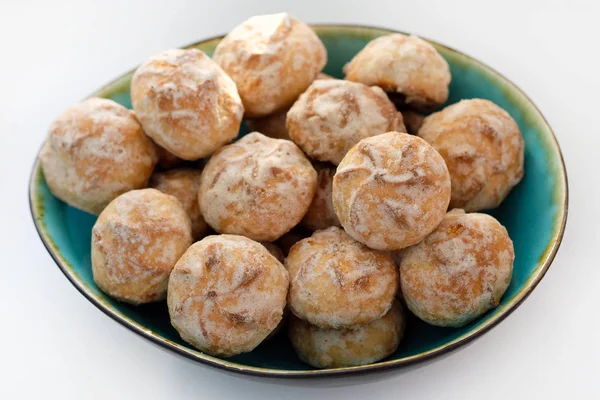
545 261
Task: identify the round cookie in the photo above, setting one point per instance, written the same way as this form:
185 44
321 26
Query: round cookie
333 115
337 282
413 121
257 187
483 149
320 214
136 242
407 67
95 151
186 103
183 184
391 191
226 294
272 59
458 272
361 345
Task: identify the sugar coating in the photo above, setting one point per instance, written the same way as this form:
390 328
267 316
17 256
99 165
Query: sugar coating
136 242
458 272
333 115
95 151
361 345
403 64
226 294
272 59
257 187
183 184
391 190
483 149
186 103
337 282
320 214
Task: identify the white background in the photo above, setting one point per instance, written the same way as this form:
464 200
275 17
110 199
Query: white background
56 345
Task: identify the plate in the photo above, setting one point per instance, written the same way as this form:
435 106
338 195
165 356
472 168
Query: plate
534 214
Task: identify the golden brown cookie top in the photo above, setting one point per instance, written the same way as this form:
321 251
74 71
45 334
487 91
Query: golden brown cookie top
459 271
257 187
391 190
136 219
139 235
272 58
186 103
94 151
403 64
483 148
337 282
226 294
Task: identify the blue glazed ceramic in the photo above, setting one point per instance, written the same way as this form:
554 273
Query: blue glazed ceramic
534 213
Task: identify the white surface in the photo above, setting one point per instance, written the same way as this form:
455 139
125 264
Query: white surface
55 344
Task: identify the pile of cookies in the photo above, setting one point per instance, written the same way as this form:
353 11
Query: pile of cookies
344 206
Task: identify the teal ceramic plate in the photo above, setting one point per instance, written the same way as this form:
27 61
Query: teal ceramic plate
534 213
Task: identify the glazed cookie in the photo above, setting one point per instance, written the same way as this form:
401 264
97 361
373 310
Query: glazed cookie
333 115
186 103
403 65
95 151
364 344
136 242
257 187
320 214
483 149
391 191
226 294
460 271
183 183
337 282
272 59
